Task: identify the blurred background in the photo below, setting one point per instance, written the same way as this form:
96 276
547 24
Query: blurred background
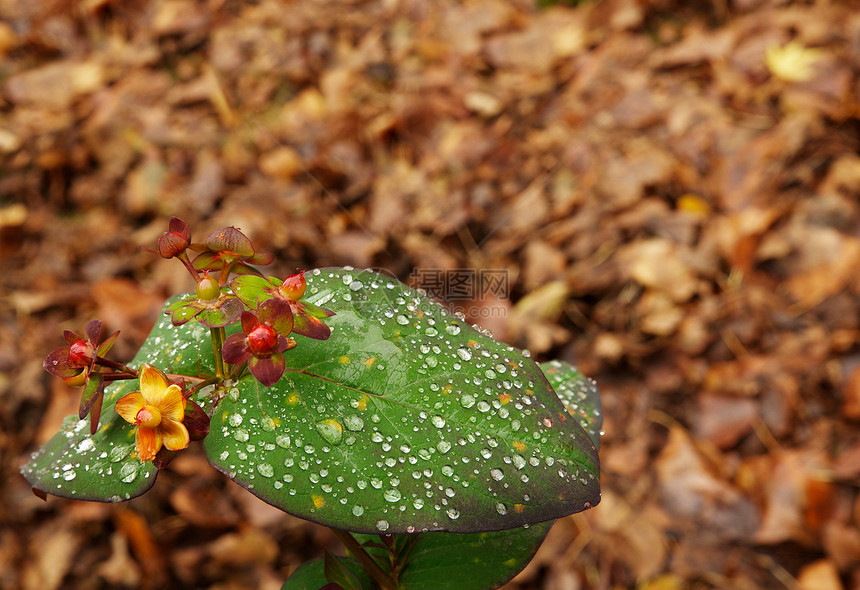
670 187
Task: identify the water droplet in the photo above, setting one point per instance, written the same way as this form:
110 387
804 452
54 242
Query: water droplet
438 421
241 435
443 446
265 469
71 474
453 513
452 329
356 286
392 495
501 508
331 430
402 319
353 423
235 420
464 353
283 441
128 472
467 400
86 445
519 461
497 474
357 510
382 525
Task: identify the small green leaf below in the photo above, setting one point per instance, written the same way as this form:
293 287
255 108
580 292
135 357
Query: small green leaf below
476 561
104 467
311 575
405 420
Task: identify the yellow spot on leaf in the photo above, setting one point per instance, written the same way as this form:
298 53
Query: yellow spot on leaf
447 389
293 398
511 562
369 362
343 360
319 501
504 398
518 508
519 446
361 403
471 344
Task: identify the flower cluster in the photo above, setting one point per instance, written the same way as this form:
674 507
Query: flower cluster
80 362
269 311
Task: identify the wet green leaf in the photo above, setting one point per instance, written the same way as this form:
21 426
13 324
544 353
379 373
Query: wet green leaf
579 394
405 420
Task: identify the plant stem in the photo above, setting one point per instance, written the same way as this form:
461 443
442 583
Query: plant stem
217 345
116 366
385 581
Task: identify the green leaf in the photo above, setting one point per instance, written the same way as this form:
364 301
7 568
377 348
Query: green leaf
338 573
311 575
579 394
104 466
474 561
405 420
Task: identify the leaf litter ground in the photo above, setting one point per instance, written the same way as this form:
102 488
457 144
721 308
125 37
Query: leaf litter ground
672 190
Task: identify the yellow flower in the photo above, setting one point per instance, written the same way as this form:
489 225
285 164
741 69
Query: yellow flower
157 410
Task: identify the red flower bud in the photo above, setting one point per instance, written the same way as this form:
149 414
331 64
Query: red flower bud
293 287
262 339
81 353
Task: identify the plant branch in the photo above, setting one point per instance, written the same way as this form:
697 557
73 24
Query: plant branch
385 581
116 366
217 345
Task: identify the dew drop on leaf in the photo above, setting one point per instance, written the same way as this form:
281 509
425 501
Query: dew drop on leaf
353 423
464 353
331 430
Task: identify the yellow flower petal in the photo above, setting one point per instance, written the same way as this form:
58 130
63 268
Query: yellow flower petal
147 443
153 383
129 405
174 435
172 404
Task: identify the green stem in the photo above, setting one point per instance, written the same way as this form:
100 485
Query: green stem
385 581
217 345
193 390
